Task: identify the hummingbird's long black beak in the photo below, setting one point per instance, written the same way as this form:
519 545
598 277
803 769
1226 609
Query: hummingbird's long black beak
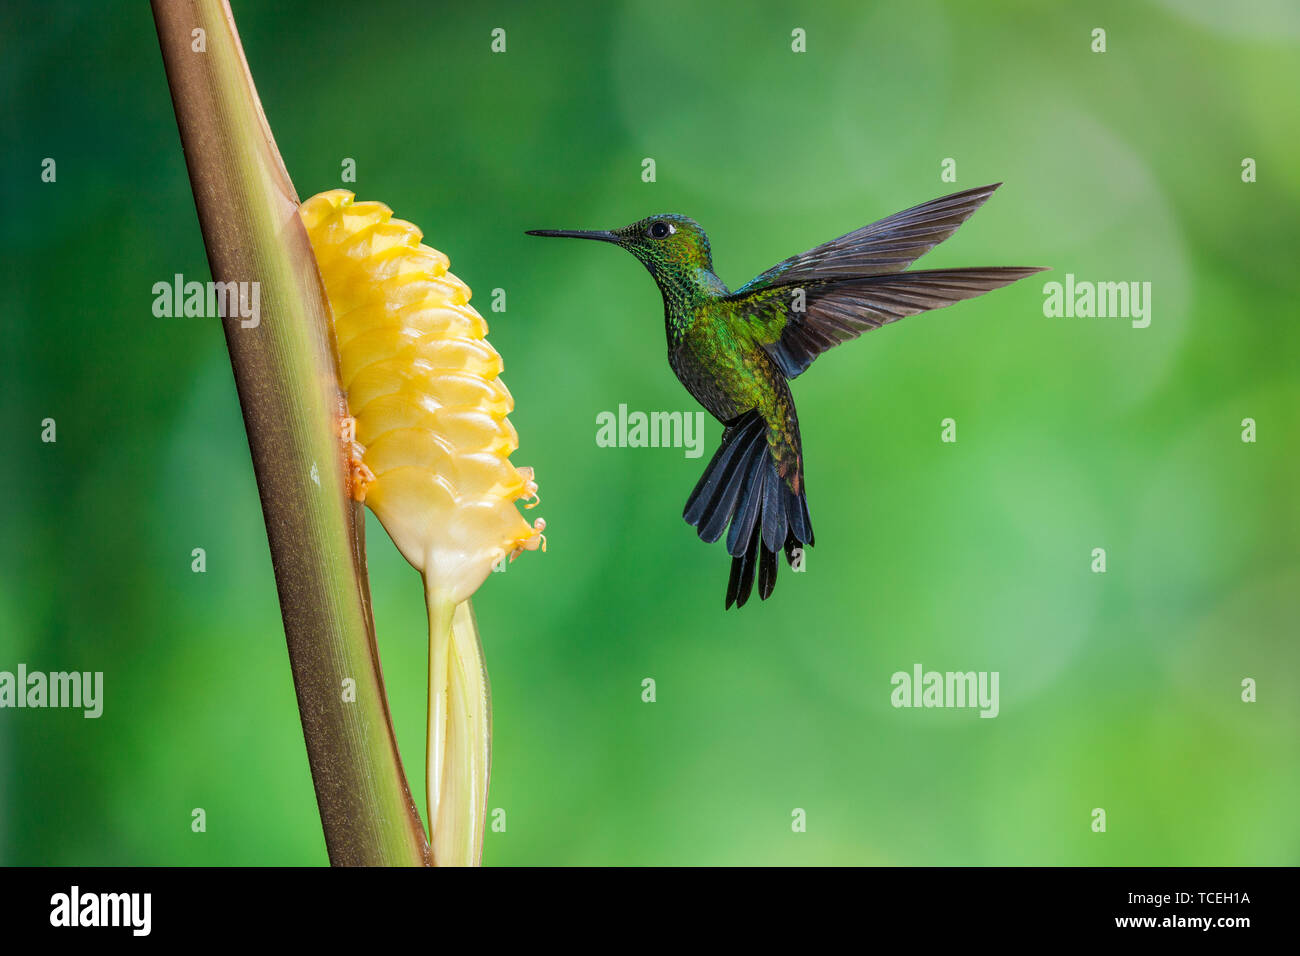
604 235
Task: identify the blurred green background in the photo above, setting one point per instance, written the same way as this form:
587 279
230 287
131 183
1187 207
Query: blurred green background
1118 690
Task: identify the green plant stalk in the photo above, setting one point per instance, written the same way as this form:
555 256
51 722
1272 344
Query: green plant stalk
286 374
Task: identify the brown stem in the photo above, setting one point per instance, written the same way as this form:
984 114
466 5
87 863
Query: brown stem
285 367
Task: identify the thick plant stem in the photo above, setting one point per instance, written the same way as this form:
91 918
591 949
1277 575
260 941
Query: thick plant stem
459 743
285 369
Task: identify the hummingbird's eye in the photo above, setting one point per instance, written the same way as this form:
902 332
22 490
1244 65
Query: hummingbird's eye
660 230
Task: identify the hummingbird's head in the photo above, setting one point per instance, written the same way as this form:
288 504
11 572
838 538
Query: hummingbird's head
667 245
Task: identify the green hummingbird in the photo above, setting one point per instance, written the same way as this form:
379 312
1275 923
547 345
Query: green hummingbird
736 352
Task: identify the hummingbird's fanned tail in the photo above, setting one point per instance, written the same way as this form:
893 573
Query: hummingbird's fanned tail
741 488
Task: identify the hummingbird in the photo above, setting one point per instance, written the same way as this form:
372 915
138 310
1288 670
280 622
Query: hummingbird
736 352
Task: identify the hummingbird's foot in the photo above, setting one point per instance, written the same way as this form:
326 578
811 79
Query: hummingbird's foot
359 474
530 488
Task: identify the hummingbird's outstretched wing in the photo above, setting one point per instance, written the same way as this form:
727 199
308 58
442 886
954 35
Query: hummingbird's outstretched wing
811 302
890 245
797 324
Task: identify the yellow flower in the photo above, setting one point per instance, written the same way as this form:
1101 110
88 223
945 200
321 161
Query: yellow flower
423 385
431 458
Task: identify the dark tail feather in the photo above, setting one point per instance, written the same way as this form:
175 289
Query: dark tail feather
740 488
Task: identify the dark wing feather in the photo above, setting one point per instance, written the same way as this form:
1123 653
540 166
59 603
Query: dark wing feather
890 245
838 310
